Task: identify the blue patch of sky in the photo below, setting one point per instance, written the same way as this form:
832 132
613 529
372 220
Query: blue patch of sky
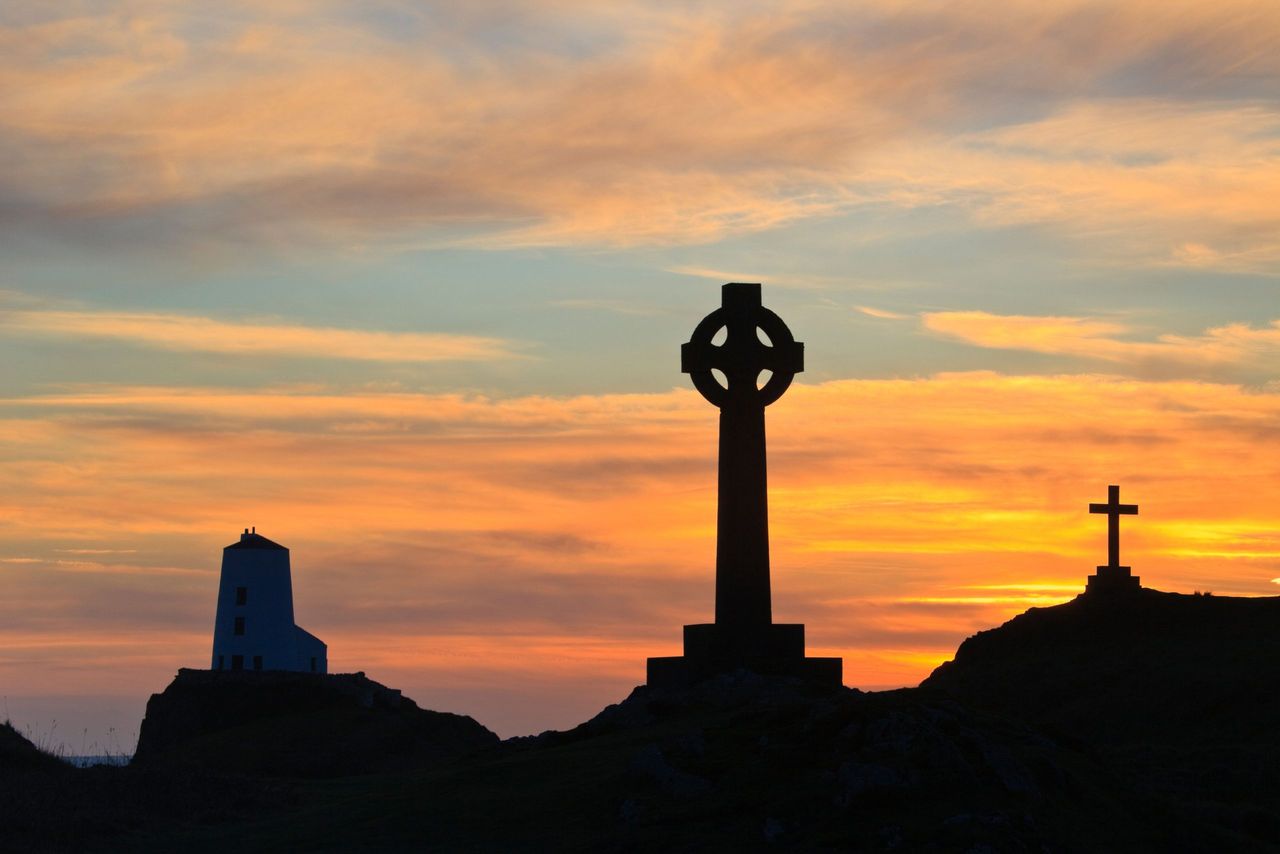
465 32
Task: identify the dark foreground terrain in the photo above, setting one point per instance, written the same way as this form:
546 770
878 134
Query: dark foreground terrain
1180 694
296 725
998 752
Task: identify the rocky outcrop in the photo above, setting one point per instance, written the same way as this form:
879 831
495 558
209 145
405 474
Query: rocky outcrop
298 725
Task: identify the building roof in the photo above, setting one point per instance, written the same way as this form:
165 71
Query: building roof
300 630
255 541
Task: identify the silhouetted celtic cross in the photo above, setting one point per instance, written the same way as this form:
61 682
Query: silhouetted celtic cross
742 518
743 356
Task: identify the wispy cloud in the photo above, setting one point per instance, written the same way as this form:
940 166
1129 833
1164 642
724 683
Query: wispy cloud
209 335
1234 345
97 551
880 313
1161 182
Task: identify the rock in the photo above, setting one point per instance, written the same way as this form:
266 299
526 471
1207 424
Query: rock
860 777
650 762
1011 773
891 837
630 811
693 743
297 725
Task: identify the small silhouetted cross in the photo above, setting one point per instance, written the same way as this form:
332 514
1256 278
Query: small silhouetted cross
1114 510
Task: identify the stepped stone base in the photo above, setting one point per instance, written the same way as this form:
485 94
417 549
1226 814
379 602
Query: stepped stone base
1113 579
773 650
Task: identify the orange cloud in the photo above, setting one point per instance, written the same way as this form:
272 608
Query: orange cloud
558 541
202 334
880 313
1233 345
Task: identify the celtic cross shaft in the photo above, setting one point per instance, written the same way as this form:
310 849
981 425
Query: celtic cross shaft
742 360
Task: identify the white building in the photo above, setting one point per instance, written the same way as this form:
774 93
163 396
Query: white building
254 628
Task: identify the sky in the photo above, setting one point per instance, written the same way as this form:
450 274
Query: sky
403 285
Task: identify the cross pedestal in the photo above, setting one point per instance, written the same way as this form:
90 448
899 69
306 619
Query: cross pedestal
743 634
1113 577
776 650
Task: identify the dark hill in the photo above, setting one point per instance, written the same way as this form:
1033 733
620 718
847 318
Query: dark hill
17 753
1180 694
297 725
740 763
1117 724
1136 668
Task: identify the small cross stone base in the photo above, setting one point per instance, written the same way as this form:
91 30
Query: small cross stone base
1112 579
710 649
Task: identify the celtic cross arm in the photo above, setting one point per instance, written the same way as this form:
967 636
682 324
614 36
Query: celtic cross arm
696 356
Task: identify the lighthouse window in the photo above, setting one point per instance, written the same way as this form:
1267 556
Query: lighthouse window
257 662
242 595
239 625
313 664
237 662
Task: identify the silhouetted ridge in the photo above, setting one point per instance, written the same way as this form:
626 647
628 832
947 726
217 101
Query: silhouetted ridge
736 762
1179 695
278 723
17 753
746 762
1133 668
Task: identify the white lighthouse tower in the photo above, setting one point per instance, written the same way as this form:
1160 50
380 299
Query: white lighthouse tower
254 628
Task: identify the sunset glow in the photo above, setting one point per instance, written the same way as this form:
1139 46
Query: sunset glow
405 289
